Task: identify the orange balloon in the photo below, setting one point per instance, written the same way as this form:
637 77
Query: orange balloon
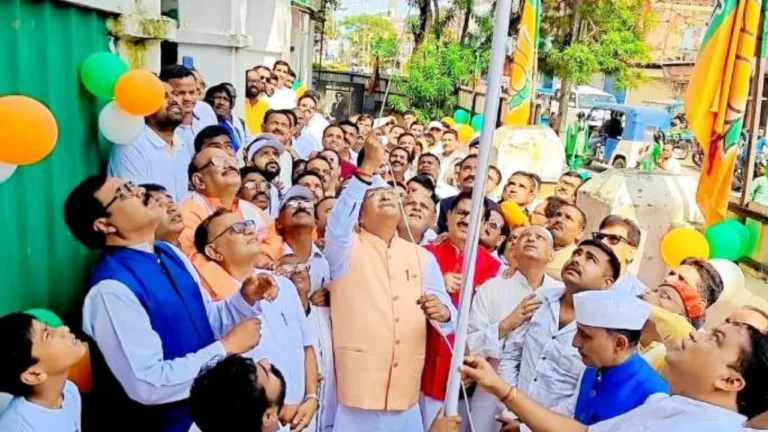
28 130
139 92
465 132
81 373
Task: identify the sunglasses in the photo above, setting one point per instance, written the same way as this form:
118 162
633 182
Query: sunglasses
237 228
611 239
123 192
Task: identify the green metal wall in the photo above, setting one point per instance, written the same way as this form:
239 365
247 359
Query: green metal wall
42 43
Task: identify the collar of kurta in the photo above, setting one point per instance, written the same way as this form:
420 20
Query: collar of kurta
314 252
156 140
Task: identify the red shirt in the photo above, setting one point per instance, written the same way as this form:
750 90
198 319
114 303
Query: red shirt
437 364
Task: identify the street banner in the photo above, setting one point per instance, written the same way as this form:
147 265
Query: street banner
717 97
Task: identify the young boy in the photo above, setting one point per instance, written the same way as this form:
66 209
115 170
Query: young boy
34 369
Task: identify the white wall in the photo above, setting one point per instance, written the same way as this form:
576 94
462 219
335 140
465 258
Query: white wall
226 37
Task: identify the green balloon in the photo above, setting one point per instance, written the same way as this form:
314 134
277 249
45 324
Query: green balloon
461 116
296 83
477 122
100 71
728 240
46 316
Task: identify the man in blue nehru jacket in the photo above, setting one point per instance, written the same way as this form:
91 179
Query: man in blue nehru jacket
153 325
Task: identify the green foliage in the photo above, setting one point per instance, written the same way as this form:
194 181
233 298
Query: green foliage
435 71
611 40
368 36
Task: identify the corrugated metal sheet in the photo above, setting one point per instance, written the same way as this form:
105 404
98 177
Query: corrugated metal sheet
42 43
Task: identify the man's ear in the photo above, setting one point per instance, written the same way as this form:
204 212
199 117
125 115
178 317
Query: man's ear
730 381
608 281
103 226
197 182
500 241
212 254
33 376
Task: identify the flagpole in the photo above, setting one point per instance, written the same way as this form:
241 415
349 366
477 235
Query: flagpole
490 110
755 113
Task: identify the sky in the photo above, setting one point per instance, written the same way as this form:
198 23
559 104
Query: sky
356 7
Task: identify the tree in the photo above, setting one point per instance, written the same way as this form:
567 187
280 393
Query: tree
435 71
422 23
369 36
585 37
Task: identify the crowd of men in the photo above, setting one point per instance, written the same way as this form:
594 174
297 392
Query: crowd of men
281 272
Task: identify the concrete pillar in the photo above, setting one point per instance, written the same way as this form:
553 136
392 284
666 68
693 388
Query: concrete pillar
658 202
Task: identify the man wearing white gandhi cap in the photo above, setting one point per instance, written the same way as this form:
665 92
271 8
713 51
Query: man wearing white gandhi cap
617 379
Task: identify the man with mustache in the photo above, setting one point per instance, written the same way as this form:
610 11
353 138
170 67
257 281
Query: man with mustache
156 156
150 318
308 268
420 217
351 137
429 164
567 228
501 305
216 180
466 181
171 224
221 98
231 247
494 232
197 114
448 153
256 104
280 124
384 291
400 161
450 257
255 188
264 153
539 356
568 185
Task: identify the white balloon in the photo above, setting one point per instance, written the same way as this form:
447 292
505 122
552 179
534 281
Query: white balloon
733 277
6 171
118 126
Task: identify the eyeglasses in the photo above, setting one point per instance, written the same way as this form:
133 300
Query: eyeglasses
612 239
259 186
462 214
123 192
237 228
296 204
219 161
289 269
493 225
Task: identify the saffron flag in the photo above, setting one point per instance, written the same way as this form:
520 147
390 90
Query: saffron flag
717 98
521 84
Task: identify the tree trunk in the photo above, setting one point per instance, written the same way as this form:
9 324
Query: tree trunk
425 22
467 16
565 85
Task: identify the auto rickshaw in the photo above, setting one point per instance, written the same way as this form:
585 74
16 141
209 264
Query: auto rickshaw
639 124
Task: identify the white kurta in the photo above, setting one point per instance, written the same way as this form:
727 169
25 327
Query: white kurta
359 420
494 301
662 412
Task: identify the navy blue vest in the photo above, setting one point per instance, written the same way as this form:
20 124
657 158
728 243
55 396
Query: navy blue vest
174 304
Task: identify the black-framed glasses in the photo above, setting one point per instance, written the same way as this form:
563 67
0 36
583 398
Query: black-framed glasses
123 192
611 239
219 161
238 228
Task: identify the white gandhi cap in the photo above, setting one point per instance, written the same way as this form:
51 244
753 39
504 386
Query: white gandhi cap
610 310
